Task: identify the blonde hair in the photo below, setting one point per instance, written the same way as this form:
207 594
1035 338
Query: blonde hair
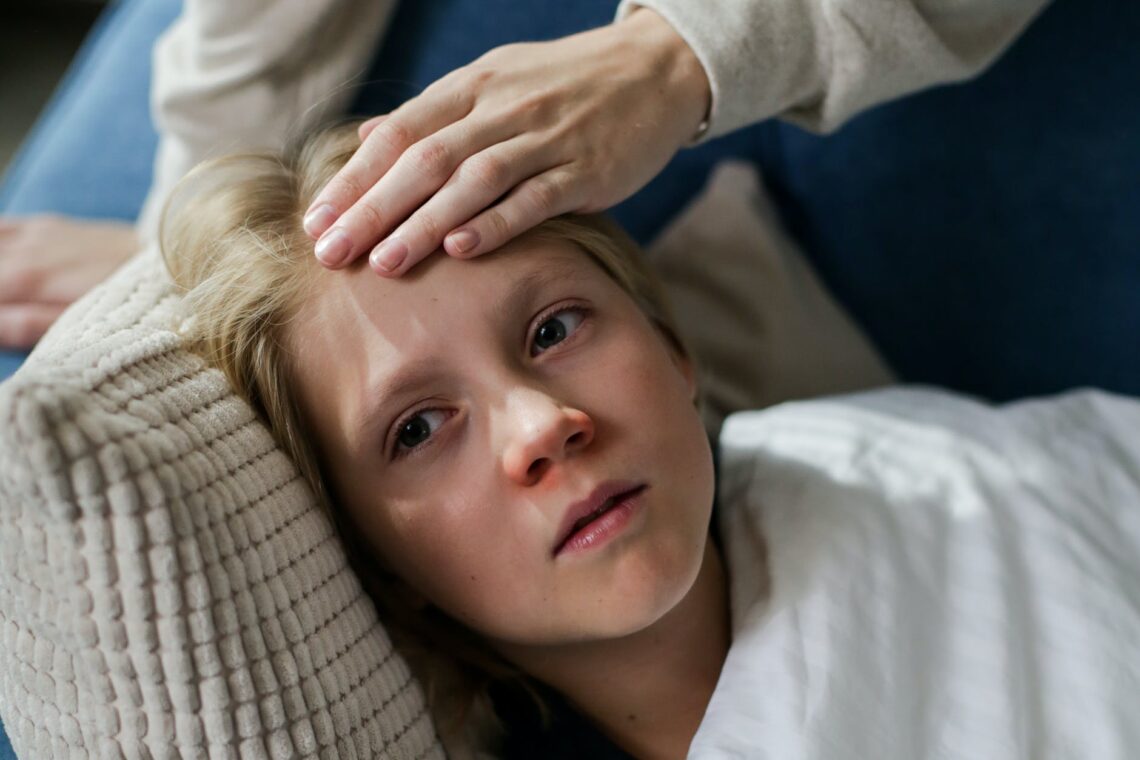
232 240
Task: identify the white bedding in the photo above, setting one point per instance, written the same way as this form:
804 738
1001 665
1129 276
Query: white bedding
948 580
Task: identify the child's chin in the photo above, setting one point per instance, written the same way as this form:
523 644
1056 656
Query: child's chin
632 613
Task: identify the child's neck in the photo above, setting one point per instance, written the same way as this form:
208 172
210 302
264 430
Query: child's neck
648 692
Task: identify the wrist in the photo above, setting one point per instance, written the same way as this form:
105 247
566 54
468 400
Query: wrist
677 66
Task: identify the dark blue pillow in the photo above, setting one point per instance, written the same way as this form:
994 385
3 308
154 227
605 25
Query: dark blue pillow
987 235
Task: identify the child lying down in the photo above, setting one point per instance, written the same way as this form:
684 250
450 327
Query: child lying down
511 449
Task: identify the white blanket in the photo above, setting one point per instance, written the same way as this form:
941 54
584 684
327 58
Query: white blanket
947 580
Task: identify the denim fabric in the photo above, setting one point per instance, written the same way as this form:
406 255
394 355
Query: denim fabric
10 361
91 152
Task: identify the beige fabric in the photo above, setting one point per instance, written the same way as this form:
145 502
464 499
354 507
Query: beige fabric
245 74
761 324
167 586
817 63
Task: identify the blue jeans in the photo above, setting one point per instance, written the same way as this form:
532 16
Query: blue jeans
91 153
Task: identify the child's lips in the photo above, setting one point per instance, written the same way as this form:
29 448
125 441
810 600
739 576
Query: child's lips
604 511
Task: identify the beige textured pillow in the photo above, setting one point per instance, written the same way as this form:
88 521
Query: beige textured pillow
763 327
167 585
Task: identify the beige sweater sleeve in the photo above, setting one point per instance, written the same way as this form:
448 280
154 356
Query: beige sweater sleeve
819 62
248 74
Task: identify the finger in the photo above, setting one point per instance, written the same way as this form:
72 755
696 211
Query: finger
385 143
415 177
476 184
19 282
11 228
366 128
21 325
15 223
539 198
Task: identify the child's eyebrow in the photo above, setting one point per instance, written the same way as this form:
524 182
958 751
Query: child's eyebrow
417 372
528 286
414 373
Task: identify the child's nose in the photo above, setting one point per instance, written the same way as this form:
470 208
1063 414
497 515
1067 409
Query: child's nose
541 433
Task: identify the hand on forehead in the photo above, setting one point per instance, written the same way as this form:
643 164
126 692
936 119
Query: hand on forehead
524 134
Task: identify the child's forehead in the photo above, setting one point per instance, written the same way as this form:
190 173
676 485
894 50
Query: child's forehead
528 260
341 298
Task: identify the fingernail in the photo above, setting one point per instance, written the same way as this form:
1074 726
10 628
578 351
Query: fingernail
333 246
318 220
463 241
389 254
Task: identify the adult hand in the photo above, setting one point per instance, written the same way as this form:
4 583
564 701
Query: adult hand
46 262
524 133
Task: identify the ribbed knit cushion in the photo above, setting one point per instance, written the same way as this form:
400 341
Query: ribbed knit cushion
168 586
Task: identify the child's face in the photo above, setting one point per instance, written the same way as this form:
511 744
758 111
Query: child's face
463 409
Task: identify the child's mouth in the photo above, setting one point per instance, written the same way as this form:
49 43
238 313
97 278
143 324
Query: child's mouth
601 522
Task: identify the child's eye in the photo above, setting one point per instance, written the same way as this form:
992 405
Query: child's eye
557 328
414 430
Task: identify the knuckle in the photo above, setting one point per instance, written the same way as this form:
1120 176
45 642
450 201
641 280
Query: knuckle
427 229
433 158
368 218
491 173
394 136
545 194
19 281
480 74
499 228
452 96
23 329
349 186
16 329
532 104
